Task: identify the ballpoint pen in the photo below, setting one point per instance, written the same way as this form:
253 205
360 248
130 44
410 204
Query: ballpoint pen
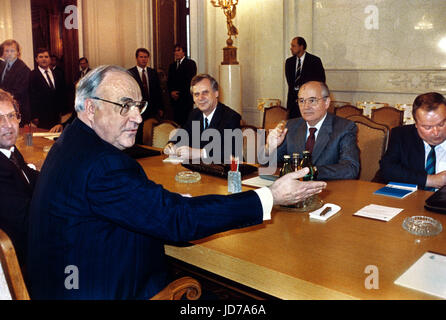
325 211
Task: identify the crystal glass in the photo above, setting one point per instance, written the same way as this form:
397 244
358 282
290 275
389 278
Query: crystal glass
422 226
234 182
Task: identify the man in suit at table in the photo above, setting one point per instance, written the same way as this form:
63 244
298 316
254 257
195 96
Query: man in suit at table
330 139
104 220
179 77
300 68
209 114
17 179
46 92
14 78
416 153
149 84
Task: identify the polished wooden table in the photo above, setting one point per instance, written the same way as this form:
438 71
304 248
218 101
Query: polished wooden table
293 257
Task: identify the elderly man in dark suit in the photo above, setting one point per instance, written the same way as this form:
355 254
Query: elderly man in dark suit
209 114
417 153
14 78
330 139
179 77
300 68
46 92
149 84
96 215
17 179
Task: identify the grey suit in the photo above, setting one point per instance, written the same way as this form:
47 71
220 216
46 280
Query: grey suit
335 153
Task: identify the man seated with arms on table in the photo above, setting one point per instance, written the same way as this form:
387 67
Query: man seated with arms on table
209 114
330 139
417 153
17 179
106 218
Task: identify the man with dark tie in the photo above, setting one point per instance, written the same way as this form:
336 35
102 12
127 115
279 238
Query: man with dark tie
84 69
300 68
209 114
14 78
330 139
149 84
94 211
417 153
17 179
181 72
46 92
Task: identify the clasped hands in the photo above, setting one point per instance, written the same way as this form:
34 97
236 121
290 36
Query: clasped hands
183 152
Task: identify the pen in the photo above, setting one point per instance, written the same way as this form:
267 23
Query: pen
325 211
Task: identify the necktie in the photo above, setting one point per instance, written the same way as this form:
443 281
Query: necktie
298 72
144 82
14 158
206 123
7 68
430 164
178 64
49 80
310 141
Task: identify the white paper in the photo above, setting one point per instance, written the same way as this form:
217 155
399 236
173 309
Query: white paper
46 134
427 275
257 182
378 212
316 214
173 159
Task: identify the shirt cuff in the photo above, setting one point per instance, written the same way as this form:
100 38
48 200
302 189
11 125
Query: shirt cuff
204 154
266 198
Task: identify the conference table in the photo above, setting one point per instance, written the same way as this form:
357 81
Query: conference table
295 257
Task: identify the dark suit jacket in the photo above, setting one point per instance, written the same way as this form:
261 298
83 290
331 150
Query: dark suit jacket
15 195
335 153
16 82
404 159
223 118
179 80
154 97
78 75
312 70
46 104
94 208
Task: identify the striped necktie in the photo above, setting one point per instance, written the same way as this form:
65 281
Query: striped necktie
430 164
206 123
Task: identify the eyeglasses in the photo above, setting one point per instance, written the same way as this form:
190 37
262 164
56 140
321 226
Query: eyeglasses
127 105
12 116
312 101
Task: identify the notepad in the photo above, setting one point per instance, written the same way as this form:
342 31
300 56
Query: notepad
257 182
427 274
397 190
173 159
378 212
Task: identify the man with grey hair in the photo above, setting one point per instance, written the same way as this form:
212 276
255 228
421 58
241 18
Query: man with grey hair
98 225
210 116
330 139
14 77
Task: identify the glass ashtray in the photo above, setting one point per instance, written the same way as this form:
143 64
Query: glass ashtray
187 177
422 226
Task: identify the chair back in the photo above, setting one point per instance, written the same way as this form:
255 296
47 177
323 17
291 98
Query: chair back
273 115
162 133
372 143
334 104
250 147
147 131
347 110
12 285
389 116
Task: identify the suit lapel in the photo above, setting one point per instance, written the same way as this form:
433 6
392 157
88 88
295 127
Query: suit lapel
323 137
217 117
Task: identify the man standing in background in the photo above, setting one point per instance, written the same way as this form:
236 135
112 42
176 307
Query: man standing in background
180 75
300 68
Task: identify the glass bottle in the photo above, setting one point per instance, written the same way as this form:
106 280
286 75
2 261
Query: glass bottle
296 161
306 162
286 168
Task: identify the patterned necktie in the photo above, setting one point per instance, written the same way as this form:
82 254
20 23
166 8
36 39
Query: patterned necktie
310 141
7 68
14 159
206 123
49 80
298 72
144 82
430 164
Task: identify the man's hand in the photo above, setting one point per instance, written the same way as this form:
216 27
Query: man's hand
276 137
186 152
287 190
436 180
170 149
57 128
